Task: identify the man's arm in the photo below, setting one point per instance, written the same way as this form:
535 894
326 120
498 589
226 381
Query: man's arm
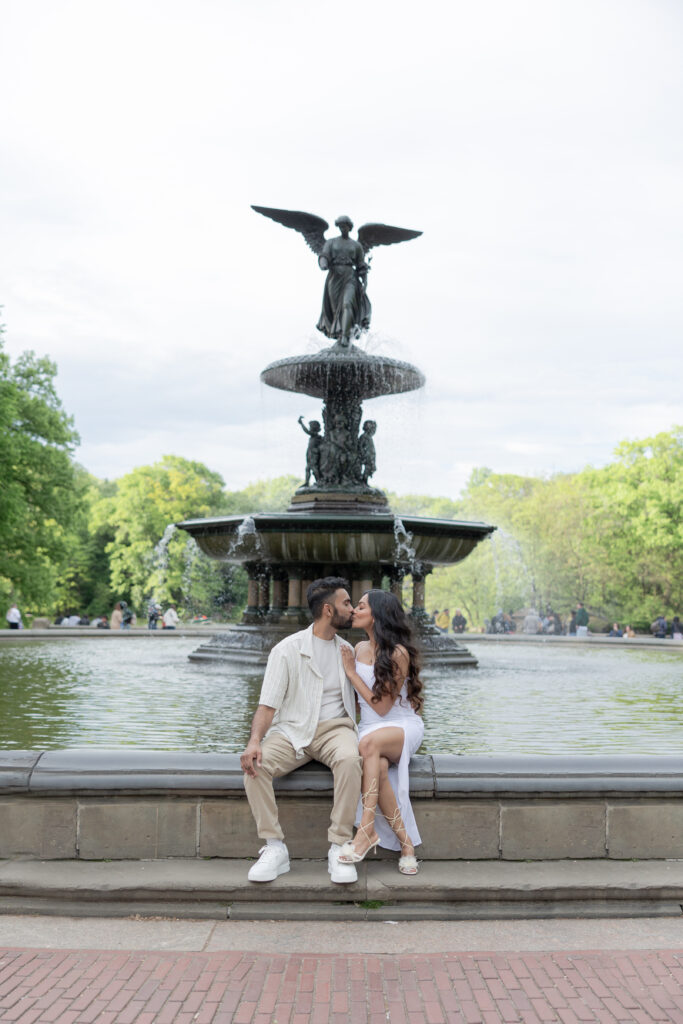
260 723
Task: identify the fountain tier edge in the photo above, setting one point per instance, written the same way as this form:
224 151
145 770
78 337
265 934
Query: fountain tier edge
287 539
284 552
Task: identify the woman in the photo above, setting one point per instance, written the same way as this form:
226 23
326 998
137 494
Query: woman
385 674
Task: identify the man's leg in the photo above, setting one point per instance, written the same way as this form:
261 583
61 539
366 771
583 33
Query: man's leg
336 744
278 758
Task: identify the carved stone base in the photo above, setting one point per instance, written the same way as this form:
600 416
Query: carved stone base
251 645
354 502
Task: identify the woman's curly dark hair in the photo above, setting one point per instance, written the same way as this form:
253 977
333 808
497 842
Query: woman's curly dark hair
392 628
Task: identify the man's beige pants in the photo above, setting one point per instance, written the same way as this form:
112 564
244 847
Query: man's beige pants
335 743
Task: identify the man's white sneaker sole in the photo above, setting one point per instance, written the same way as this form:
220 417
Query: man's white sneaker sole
268 876
259 872
342 874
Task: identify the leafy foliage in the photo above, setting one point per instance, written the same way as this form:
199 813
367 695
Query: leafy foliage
611 538
145 503
38 500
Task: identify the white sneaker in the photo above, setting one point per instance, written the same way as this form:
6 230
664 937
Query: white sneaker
274 861
342 873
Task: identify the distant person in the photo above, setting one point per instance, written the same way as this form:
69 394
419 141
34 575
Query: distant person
103 623
434 615
14 618
581 620
459 622
556 624
659 627
532 622
676 628
126 615
571 625
116 616
73 620
84 620
615 631
171 619
629 632
497 624
443 620
509 624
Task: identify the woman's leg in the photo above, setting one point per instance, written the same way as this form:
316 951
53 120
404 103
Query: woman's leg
388 805
387 744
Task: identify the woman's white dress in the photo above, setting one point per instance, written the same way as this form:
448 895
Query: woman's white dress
403 716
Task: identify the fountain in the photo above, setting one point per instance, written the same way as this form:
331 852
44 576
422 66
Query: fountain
337 522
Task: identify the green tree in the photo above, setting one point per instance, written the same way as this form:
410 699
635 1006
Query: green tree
83 582
146 503
37 499
635 529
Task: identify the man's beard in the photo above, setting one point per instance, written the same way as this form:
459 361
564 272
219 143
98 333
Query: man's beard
340 621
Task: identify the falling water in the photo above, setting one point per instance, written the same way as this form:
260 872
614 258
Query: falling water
159 561
404 550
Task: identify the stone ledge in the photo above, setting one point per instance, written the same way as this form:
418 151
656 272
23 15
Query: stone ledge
92 770
221 881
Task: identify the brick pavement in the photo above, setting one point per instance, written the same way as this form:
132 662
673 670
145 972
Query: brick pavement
97 987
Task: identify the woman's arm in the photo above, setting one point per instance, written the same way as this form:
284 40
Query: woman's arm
382 706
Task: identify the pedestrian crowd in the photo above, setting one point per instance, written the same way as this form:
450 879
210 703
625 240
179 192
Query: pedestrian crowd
122 617
550 623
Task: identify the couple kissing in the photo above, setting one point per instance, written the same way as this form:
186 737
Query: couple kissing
313 685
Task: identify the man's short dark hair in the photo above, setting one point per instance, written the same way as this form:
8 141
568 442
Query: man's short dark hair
320 592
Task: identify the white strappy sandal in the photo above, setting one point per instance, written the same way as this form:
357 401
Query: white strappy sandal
407 864
347 854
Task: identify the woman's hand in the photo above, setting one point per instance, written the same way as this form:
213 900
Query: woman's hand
348 660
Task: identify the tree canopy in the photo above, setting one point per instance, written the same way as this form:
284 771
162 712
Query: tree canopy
38 499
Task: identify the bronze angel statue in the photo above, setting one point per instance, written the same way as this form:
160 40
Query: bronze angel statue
346 306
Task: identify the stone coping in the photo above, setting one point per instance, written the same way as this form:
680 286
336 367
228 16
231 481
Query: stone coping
593 639
94 770
211 629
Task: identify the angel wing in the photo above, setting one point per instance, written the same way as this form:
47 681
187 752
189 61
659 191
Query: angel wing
311 227
371 235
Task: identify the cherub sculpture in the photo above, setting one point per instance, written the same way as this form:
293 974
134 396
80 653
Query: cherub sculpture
346 306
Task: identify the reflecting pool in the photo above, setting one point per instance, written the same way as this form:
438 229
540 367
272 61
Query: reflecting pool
143 692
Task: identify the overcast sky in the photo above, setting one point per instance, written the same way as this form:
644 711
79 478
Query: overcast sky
538 145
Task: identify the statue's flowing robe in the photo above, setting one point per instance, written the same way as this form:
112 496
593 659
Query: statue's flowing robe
343 287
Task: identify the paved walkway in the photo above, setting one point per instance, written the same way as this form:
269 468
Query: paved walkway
219 988
273 984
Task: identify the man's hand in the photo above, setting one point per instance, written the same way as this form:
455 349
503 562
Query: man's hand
252 752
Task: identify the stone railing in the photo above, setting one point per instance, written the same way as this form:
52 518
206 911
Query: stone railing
134 804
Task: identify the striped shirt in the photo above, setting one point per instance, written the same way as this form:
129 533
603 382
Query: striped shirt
293 685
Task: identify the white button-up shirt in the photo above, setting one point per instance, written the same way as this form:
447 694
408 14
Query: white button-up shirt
293 685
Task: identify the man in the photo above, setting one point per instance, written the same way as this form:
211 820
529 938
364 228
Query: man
459 622
443 620
14 618
306 712
532 622
581 620
170 617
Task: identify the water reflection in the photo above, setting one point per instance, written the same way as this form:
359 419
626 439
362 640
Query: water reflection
144 692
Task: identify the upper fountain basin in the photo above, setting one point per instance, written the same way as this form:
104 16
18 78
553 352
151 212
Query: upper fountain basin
336 539
338 371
